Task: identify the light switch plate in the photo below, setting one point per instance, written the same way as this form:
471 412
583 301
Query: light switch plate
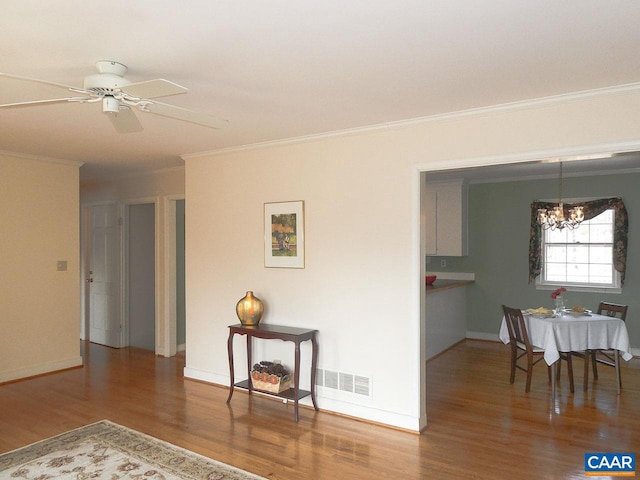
62 266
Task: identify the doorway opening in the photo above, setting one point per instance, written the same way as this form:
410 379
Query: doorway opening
146 246
140 276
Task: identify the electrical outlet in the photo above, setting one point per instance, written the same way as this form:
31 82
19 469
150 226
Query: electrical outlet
443 263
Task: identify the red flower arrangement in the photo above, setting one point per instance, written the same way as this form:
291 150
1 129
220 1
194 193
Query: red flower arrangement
558 292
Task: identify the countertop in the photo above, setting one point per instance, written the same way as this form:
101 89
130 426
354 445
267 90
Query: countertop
440 285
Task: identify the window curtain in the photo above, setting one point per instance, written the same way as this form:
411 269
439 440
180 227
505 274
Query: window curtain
591 209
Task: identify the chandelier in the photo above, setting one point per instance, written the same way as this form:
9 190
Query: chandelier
554 218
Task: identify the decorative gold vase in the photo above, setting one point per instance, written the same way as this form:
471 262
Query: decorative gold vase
249 309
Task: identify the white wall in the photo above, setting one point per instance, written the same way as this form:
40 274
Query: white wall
353 290
362 285
39 305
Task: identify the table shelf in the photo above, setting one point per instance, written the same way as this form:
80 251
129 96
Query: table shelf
289 394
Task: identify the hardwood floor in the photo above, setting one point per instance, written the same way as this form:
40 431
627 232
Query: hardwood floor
480 426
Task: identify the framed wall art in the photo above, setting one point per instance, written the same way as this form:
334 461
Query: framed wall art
284 234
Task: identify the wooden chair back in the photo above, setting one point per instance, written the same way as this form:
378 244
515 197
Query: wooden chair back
613 310
516 326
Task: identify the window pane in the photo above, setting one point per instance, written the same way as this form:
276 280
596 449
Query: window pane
556 272
578 273
603 271
578 269
556 253
556 236
601 233
602 280
578 279
601 254
578 253
605 217
580 234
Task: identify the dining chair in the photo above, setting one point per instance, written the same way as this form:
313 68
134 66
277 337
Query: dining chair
606 357
519 341
521 346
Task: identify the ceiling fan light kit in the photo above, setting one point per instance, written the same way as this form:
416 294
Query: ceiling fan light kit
110 105
119 95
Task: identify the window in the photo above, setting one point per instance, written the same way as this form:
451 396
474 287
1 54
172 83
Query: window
575 245
582 257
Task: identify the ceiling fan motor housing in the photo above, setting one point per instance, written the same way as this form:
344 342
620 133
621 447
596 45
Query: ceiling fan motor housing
109 80
106 83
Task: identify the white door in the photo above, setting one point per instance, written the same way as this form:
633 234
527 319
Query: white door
104 277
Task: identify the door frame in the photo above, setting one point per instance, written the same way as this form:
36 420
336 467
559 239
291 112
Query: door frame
170 317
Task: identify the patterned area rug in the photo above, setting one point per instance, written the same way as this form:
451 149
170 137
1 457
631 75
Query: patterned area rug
108 450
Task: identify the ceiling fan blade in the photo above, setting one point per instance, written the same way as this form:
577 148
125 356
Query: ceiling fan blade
42 92
185 115
153 88
44 102
34 80
125 121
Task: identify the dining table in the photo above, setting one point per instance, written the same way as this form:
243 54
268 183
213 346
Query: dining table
569 331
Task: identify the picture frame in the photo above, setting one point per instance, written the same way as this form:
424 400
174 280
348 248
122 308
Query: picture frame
284 234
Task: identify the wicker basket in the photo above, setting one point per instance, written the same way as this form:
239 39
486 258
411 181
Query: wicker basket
270 383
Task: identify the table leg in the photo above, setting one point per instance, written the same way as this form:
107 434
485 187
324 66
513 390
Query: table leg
616 356
296 379
249 362
314 366
587 359
231 368
554 376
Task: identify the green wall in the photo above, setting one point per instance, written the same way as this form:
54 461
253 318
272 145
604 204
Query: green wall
499 242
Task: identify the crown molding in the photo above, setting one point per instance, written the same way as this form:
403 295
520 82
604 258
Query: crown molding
4 153
470 113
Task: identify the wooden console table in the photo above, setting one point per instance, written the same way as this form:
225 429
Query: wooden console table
276 332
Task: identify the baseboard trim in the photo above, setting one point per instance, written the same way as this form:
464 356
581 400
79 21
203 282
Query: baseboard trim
41 369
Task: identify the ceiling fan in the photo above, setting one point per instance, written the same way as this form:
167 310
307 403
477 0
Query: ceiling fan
119 97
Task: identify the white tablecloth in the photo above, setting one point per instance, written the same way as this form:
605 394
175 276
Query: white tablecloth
569 333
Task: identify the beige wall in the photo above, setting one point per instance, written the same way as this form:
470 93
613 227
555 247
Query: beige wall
361 287
39 306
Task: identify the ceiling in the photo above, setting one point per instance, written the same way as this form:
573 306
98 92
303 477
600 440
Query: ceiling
282 69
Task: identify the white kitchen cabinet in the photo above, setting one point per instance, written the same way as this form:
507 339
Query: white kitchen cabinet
445 210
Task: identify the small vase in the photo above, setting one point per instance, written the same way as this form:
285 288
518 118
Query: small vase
559 304
249 309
